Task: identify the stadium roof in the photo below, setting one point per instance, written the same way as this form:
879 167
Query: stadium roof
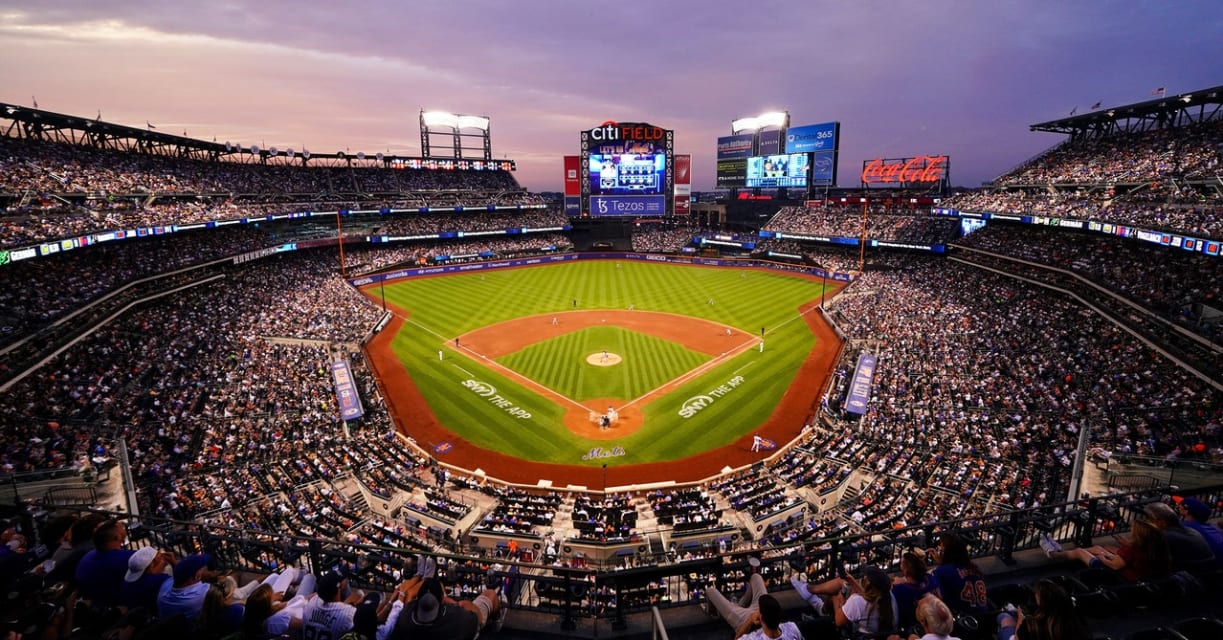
97 132
1175 110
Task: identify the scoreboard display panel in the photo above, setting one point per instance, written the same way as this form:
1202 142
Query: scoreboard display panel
627 173
777 171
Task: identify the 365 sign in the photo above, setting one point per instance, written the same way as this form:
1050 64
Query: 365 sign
898 171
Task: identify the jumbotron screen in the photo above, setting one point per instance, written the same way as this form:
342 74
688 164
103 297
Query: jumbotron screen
627 174
790 170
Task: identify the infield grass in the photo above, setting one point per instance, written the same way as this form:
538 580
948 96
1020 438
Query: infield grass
742 391
560 363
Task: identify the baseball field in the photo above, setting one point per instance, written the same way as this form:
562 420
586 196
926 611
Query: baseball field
600 362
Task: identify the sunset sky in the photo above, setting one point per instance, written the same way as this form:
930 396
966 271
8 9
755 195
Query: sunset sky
904 78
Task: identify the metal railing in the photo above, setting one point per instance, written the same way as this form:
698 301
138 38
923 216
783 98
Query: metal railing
574 591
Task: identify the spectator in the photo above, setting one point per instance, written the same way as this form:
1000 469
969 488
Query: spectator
145 577
768 620
1144 556
1188 549
186 593
266 612
330 613
737 613
222 613
935 619
436 616
958 577
911 587
102 570
1197 518
1055 618
870 608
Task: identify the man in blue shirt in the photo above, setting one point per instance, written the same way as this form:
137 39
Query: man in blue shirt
186 593
100 572
1197 517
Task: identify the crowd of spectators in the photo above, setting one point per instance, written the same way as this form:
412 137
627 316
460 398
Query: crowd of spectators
662 240
990 405
50 191
1188 212
883 222
1166 281
45 167
1190 151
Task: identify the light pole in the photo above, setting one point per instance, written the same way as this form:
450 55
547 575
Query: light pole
823 289
605 480
382 290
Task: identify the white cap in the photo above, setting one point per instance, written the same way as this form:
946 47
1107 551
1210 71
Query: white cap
138 562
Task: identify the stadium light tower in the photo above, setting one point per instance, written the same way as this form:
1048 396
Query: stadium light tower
778 119
453 126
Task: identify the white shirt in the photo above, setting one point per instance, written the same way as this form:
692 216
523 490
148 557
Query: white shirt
789 631
863 616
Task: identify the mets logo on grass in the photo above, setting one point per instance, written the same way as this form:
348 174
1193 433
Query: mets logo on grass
598 453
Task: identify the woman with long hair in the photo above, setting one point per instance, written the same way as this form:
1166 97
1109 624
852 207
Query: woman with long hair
1054 618
870 608
960 581
1145 556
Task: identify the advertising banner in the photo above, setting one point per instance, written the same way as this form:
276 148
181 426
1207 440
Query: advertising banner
345 392
732 173
683 205
812 138
683 175
824 168
904 171
860 385
628 205
770 143
573 206
573 177
730 147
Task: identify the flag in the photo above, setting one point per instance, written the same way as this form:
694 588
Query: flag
1074 111
99 118
1160 91
149 124
1097 105
35 101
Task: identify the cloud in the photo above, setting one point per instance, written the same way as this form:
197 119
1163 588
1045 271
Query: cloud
904 79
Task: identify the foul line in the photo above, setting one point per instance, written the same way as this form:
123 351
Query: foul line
506 371
693 373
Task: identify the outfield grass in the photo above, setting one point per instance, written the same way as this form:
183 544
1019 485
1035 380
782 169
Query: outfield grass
560 363
444 307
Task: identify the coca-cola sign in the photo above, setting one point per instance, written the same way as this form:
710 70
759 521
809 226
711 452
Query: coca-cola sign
904 170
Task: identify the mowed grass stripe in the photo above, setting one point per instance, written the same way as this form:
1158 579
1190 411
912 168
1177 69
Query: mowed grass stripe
747 300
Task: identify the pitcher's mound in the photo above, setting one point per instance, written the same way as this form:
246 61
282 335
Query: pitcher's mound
603 359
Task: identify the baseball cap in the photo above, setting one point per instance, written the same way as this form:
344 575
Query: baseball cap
427 608
138 562
186 568
1196 508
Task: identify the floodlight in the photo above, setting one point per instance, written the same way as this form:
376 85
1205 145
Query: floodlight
453 120
770 119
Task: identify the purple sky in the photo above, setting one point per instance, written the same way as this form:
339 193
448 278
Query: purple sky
904 78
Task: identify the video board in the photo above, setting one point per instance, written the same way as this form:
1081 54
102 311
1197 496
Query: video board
812 138
732 174
626 174
778 171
